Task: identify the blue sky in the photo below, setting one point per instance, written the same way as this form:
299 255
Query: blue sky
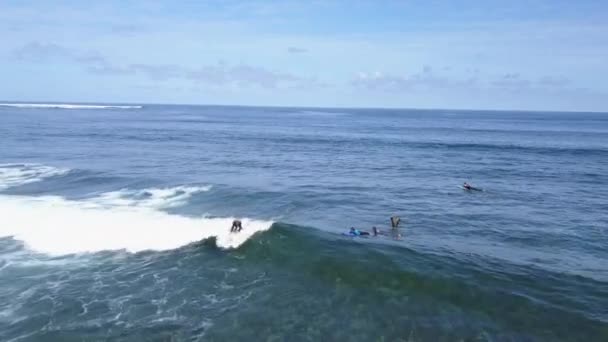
534 54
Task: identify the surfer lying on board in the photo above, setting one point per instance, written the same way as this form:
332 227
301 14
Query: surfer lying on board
356 232
353 232
469 187
237 226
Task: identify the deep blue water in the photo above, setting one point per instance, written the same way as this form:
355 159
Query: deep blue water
115 224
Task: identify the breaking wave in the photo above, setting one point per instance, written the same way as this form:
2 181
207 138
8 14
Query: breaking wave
67 106
131 220
12 175
159 198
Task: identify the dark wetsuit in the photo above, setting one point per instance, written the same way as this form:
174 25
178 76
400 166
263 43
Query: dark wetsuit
395 220
236 226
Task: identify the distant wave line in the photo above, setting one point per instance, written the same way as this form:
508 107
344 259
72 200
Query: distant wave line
66 106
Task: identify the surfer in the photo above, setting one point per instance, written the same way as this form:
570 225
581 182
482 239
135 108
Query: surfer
469 187
395 220
356 232
237 226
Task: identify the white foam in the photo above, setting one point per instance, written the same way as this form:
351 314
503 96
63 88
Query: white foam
57 226
66 106
158 198
12 175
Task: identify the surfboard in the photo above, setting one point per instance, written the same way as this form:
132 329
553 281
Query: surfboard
470 189
357 236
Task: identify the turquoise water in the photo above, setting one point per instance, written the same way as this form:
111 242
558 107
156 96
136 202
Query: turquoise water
115 224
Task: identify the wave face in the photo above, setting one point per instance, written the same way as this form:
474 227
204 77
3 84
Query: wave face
66 106
115 225
368 282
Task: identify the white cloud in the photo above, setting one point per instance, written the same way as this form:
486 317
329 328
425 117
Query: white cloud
242 75
395 82
39 52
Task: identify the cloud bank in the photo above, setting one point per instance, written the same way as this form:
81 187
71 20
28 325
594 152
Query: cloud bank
240 75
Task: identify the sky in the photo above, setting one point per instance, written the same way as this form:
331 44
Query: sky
461 54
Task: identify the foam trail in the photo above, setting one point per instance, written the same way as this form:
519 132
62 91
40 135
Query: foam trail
158 198
58 226
12 175
66 106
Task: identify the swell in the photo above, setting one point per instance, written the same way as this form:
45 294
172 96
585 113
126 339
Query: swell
73 183
514 148
548 304
324 142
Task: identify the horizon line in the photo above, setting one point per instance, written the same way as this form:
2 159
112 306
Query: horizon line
91 103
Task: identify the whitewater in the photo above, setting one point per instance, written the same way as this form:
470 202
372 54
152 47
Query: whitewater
131 220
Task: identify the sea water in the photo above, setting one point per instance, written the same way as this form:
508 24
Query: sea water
115 224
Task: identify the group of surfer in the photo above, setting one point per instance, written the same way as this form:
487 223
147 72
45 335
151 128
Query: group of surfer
237 225
395 220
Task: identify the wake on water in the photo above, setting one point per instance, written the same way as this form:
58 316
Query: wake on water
127 219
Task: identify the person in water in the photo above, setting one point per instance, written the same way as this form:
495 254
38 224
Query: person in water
356 232
467 186
375 231
395 220
237 226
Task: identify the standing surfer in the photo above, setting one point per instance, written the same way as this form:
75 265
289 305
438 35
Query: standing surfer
237 226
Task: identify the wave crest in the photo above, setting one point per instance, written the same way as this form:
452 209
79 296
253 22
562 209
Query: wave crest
159 198
126 219
12 175
54 225
66 106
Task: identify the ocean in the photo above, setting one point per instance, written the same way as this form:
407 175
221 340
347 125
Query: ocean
115 224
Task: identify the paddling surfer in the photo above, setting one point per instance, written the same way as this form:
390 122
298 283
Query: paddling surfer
357 232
